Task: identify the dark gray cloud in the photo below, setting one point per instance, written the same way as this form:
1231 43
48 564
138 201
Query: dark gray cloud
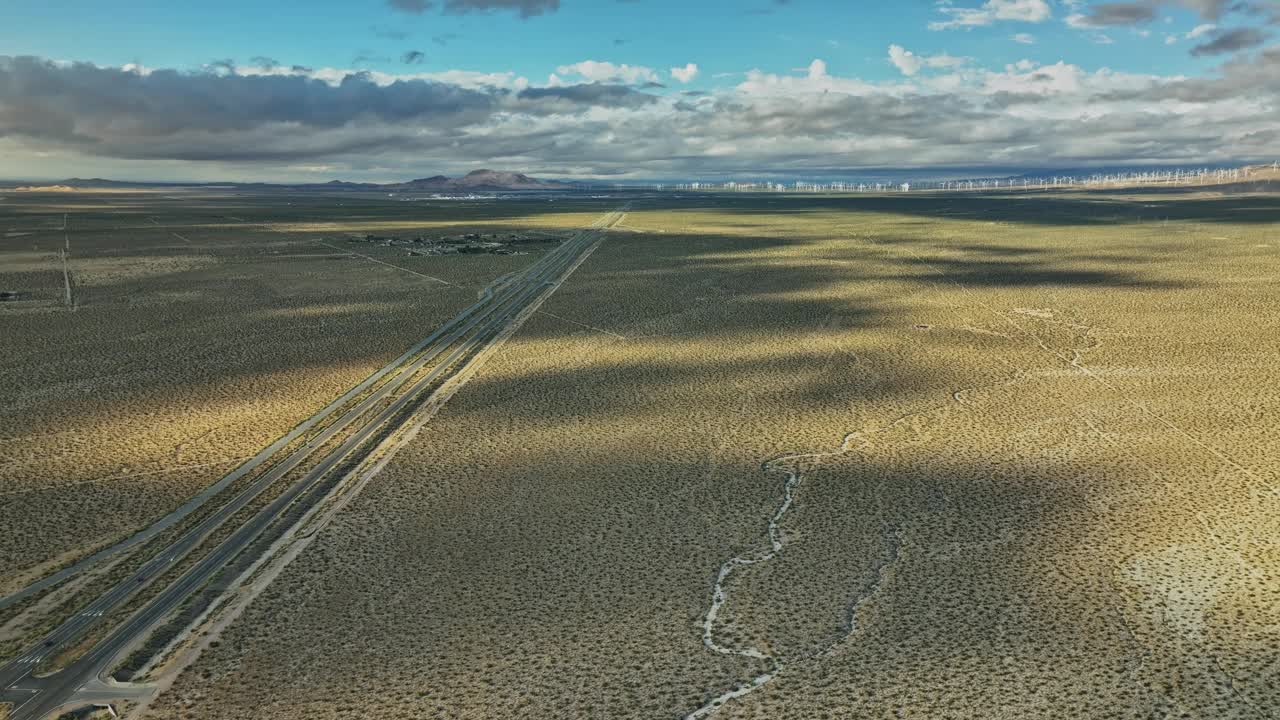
221 115
1228 41
525 8
1004 100
108 107
1213 9
416 7
588 94
1245 78
413 57
1121 13
225 65
1140 12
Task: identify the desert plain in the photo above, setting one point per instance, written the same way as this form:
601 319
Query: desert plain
928 455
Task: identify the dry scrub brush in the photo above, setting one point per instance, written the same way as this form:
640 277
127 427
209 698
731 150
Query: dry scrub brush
1035 479
202 333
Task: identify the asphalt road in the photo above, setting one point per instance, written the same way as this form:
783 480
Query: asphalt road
462 337
198 500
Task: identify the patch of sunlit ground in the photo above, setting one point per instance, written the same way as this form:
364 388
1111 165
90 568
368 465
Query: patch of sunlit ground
1034 444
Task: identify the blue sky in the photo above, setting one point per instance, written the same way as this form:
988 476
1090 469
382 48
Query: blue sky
721 37
579 88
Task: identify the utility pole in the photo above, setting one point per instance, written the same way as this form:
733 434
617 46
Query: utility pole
66 281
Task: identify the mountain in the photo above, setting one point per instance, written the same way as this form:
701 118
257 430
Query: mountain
477 180
433 181
490 180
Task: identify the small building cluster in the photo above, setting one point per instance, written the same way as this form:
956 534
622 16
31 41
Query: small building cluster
464 244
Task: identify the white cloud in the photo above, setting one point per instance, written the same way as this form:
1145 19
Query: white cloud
993 11
334 76
1200 30
378 126
596 71
685 74
1079 21
815 80
909 63
1025 39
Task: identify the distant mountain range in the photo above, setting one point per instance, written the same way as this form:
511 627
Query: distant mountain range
482 180
474 181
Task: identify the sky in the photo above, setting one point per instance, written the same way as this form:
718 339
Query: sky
388 90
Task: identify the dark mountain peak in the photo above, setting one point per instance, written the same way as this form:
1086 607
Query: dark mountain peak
483 179
498 179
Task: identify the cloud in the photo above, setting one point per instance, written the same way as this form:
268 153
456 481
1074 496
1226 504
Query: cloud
461 78
1141 12
1109 14
991 12
258 122
413 57
1227 41
607 72
416 7
1024 39
573 97
1200 30
524 8
909 63
685 74
167 101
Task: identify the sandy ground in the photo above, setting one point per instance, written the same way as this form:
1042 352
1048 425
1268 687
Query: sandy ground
195 341
1011 463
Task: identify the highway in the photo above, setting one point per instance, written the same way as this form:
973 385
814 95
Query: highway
413 377
402 373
